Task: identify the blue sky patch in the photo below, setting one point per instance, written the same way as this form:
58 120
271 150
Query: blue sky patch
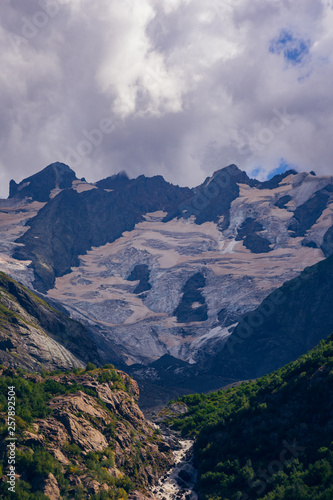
281 169
293 48
260 173
255 173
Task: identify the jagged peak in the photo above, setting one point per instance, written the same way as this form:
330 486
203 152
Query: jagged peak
59 166
230 169
275 181
114 181
231 173
120 175
39 185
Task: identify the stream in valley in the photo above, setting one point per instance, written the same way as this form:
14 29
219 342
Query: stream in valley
178 482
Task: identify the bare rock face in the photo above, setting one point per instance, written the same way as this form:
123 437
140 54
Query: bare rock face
35 336
55 431
48 486
80 431
117 404
51 488
29 438
58 455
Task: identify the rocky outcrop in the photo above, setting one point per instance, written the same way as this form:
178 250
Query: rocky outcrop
97 436
51 488
78 429
192 306
140 273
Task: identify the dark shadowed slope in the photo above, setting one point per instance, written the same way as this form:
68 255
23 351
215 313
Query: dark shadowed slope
289 322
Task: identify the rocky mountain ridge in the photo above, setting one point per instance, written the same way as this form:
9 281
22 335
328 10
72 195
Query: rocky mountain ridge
157 269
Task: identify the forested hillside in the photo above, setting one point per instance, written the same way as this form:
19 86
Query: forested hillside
268 439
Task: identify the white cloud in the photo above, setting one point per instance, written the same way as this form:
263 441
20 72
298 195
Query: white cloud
190 86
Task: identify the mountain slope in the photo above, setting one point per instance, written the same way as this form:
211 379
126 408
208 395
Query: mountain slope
290 321
239 266
79 435
270 439
73 222
36 336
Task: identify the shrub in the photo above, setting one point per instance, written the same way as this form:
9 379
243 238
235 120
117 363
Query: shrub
37 462
72 450
109 376
90 366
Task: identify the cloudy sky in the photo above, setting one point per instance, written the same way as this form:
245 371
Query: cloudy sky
173 87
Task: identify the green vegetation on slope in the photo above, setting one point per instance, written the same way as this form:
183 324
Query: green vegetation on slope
43 406
7 283
32 397
270 439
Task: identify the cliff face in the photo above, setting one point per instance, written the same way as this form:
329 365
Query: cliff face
86 436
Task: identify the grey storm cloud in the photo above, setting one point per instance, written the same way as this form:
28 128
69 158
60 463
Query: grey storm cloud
172 87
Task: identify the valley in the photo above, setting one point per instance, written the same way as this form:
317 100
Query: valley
166 250
212 297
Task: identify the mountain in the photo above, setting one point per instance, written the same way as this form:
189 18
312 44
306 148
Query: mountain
289 322
188 290
79 435
36 336
267 439
155 269
39 187
83 220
